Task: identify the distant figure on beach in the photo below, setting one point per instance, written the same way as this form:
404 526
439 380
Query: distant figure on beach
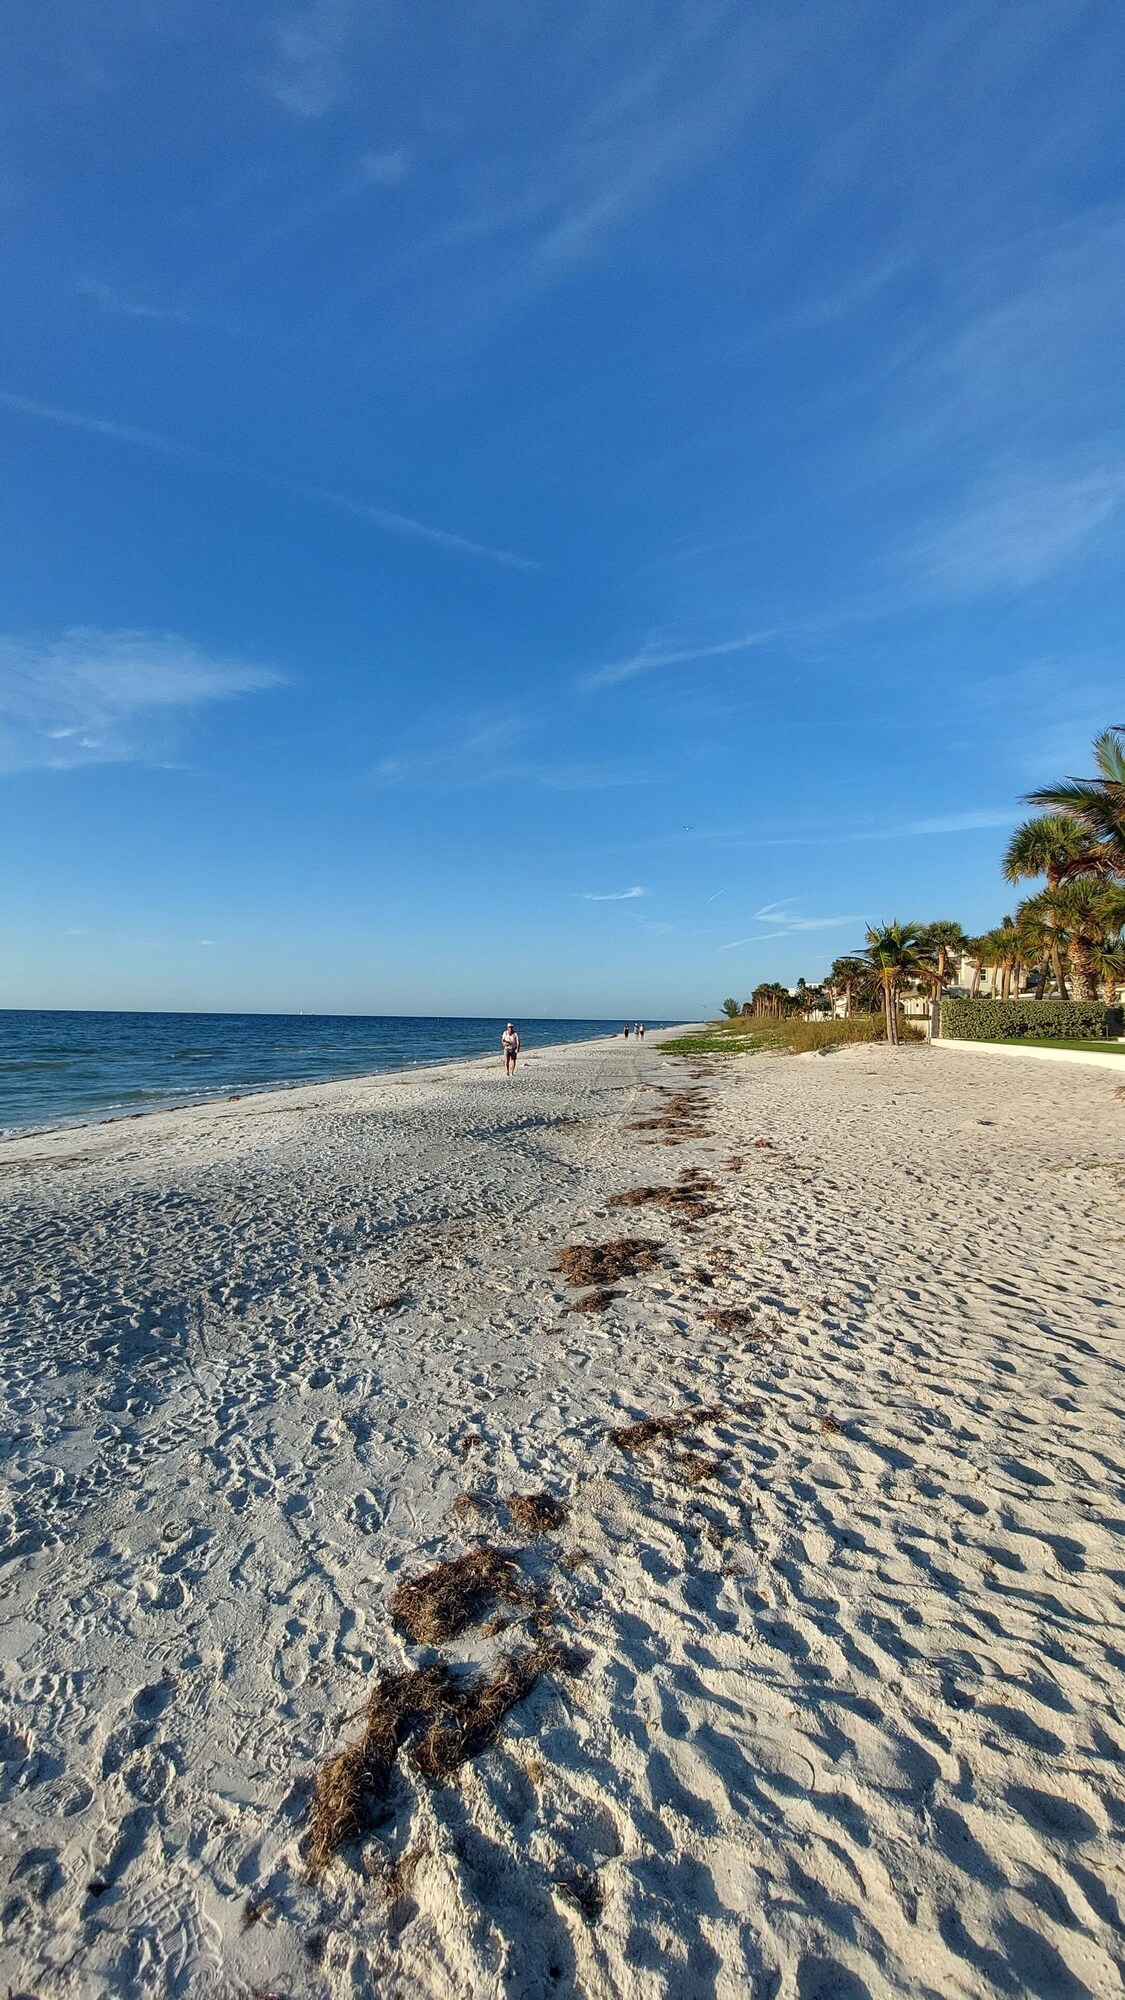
510 1043
626 1031
639 1031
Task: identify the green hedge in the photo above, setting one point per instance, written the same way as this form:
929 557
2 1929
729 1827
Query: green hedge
1006 1020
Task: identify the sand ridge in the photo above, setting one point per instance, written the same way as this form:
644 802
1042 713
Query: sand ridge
848 1722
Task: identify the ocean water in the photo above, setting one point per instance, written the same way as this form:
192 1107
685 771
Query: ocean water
61 1068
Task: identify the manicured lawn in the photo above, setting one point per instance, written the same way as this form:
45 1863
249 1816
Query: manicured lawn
1057 1042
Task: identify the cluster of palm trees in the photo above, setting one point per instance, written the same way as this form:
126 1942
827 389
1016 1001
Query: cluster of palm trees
923 955
1069 937
1073 927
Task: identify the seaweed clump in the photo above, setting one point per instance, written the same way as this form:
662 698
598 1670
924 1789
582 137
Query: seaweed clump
468 1723
458 1719
731 1319
537 1513
351 1785
597 1301
654 1430
687 1200
601 1263
439 1603
680 1117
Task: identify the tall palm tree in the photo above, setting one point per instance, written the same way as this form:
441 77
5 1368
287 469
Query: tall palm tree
1054 845
894 953
1097 805
989 952
939 942
845 976
1039 945
1007 945
976 951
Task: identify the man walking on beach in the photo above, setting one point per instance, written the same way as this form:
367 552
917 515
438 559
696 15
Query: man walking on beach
510 1043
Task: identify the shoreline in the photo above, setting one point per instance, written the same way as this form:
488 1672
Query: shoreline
14 1135
265 1360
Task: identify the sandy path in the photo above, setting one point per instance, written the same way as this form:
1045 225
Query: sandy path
851 1719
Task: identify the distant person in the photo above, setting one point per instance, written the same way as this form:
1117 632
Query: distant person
510 1043
641 1030
626 1031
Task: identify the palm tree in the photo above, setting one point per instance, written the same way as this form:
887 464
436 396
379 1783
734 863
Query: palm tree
845 976
976 951
730 1009
772 999
990 957
894 953
1007 945
1097 805
1109 965
1040 945
938 943
1054 845
1088 915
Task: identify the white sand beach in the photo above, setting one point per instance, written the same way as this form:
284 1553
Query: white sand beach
850 1720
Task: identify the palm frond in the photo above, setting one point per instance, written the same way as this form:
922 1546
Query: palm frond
1109 756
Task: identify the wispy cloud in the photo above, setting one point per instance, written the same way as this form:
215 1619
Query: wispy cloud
640 135
903 829
309 70
93 697
788 926
611 895
1023 526
121 305
791 930
111 301
651 657
404 524
741 840
386 169
1040 335
644 106
100 426
859 290
579 777
966 822
384 518
488 755
468 759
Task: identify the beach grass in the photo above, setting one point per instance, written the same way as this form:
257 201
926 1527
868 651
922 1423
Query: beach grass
745 1036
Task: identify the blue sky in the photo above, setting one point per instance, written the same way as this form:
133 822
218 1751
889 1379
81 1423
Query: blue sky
564 509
